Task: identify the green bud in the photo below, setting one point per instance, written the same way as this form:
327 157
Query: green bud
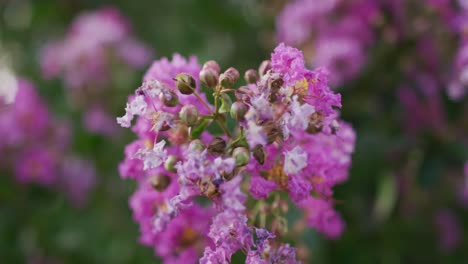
213 65
169 99
233 72
160 182
229 77
197 145
251 76
189 115
265 66
217 146
241 155
226 80
170 163
185 83
238 111
209 77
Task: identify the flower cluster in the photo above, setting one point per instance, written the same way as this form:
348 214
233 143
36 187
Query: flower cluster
97 44
35 146
337 33
214 176
340 33
421 44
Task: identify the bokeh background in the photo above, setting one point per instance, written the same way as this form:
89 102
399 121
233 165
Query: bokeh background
398 183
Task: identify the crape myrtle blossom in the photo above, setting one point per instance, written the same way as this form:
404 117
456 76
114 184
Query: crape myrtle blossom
94 39
337 32
35 147
287 139
96 43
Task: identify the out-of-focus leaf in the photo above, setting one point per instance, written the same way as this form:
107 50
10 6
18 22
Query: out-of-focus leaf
386 198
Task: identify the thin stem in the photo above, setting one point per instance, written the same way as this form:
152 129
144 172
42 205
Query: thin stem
203 102
223 126
215 115
228 90
235 141
216 97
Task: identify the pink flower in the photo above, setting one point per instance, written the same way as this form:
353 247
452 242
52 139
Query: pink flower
36 165
290 140
321 215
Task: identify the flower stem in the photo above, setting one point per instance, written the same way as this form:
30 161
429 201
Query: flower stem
215 115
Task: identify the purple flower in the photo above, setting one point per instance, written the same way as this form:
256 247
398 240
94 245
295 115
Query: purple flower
284 254
337 32
35 147
136 107
321 215
260 188
96 44
36 165
299 188
97 120
290 140
82 56
295 160
229 233
449 230
152 157
131 167
78 178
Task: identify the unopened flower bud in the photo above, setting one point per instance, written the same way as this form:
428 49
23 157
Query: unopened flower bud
179 134
217 146
185 83
241 155
243 94
169 98
251 76
189 115
238 110
259 154
197 145
233 72
209 77
170 163
213 65
265 66
160 182
229 77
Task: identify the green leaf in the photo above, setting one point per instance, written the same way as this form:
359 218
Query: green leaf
226 103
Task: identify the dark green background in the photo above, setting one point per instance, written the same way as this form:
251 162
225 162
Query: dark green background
38 222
